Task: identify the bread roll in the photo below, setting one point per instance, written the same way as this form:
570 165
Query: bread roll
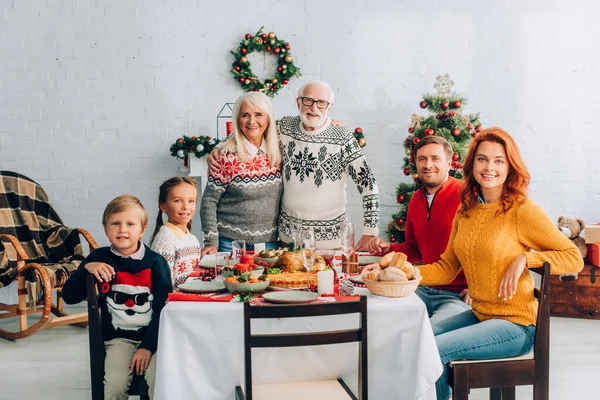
385 260
392 274
417 273
374 274
398 260
409 270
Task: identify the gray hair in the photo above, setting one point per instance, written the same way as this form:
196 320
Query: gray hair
318 83
260 100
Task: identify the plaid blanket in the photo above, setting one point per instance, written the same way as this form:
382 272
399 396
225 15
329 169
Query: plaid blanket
26 214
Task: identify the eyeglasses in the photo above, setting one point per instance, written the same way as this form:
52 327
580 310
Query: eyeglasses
308 102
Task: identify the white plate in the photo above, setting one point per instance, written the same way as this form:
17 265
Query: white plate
290 297
210 263
366 260
199 286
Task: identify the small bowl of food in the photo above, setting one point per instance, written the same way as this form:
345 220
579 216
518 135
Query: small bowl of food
246 283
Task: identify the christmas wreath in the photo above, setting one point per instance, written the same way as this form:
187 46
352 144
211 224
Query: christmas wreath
196 145
268 42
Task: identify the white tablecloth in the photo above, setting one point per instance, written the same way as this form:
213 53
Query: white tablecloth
200 351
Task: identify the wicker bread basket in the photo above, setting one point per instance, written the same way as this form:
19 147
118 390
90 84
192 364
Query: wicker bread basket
392 289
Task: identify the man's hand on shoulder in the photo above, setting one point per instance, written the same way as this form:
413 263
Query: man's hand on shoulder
213 161
335 122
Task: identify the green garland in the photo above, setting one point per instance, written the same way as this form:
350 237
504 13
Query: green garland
268 43
196 145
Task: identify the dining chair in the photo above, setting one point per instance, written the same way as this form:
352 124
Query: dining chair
38 252
502 375
329 389
97 353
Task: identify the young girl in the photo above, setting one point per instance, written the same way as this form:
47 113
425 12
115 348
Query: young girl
173 240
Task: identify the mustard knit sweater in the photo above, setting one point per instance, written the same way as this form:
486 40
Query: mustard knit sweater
486 242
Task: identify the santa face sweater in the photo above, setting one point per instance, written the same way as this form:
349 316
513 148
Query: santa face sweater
486 242
315 168
181 249
241 201
131 302
428 228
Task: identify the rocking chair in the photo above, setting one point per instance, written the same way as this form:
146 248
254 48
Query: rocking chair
37 251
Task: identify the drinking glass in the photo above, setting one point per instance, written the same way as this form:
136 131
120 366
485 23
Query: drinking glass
347 236
347 240
221 265
238 249
296 229
309 251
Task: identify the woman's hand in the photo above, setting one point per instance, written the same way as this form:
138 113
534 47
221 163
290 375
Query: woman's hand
213 161
102 271
464 295
140 361
508 284
208 250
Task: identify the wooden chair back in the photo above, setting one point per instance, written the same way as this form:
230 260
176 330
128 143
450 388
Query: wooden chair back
97 352
502 376
307 339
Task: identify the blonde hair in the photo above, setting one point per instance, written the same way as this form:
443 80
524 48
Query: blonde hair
125 202
163 193
261 101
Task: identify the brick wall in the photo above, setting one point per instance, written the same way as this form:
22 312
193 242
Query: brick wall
92 93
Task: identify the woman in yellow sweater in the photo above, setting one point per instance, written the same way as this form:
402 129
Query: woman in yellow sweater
493 233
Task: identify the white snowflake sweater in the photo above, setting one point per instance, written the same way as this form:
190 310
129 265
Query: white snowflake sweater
181 250
316 165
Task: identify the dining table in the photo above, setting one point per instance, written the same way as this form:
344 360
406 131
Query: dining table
201 350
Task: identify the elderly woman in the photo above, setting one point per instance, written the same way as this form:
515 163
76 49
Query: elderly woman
241 200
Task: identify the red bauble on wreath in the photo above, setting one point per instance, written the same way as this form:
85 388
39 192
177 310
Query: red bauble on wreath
428 132
400 198
479 128
456 104
423 104
444 105
399 221
406 171
416 140
411 130
392 240
455 132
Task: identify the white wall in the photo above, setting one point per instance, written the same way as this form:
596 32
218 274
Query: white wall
92 93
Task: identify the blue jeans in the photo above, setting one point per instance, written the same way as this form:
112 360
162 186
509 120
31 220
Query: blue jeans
225 245
464 337
441 304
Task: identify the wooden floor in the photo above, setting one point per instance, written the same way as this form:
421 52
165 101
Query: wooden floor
54 363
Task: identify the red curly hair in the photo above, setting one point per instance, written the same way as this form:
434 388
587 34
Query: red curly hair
517 181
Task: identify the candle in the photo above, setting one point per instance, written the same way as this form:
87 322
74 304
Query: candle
325 279
229 127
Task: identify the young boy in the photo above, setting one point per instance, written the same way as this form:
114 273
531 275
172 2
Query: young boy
134 285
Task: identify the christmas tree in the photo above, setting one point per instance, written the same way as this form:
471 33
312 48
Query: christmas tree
445 119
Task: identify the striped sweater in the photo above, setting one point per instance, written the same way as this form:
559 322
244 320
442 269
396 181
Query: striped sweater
486 242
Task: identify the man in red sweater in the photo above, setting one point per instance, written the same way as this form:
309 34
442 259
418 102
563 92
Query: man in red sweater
428 225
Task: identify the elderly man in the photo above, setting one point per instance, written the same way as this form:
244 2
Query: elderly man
317 159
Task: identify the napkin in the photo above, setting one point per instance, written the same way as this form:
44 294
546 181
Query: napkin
180 296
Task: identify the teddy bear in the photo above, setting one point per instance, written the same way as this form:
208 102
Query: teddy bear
571 228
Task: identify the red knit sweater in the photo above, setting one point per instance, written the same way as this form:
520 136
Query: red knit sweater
428 228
